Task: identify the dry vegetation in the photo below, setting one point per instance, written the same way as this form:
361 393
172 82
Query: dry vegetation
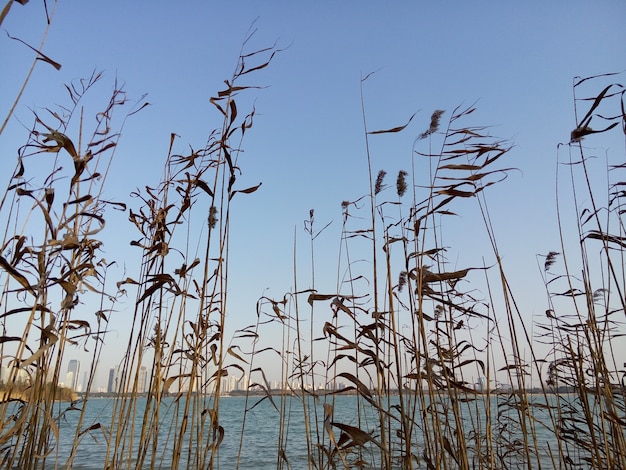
409 334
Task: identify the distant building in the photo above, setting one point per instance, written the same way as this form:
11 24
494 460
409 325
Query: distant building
85 382
481 385
20 375
143 379
225 383
111 388
242 383
71 378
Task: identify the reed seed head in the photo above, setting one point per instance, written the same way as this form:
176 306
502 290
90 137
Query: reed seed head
401 183
550 260
402 280
212 216
379 181
434 123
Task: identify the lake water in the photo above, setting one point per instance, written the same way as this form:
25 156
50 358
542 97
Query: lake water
262 433
260 437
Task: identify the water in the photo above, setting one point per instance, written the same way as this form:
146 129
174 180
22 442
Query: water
261 436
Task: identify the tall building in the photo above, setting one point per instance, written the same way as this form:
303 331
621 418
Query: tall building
7 374
481 385
111 385
71 378
143 379
85 381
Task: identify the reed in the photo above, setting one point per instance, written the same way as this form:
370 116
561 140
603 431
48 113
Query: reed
410 334
408 331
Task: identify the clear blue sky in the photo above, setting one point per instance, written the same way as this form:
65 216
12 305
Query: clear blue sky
517 60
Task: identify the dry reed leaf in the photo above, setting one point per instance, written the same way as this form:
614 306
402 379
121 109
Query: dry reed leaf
235 355
20 170
315 297
612 416
267 387
128 280
61 141
598 99
88 199
427 275
52 340
448 447
337 305
361 387
578 133
50 424
214 355
357 436
233 111
93 427
231 90
218 436
6 339
466 167
44 210
245 191
90 215
77 325
102 149
214 102
15 274
457 193
247 332
205 187
331 330
471 361
394 129
258 67
613 239
579 80
10 433
5 11
159 281
40 308
167 383
184 269
41 55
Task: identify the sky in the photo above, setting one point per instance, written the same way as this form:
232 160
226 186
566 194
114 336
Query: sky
515 61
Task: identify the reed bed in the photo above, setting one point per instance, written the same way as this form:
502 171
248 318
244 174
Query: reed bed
408 332
413 333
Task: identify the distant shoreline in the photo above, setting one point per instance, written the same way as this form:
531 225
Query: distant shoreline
349 392
23 394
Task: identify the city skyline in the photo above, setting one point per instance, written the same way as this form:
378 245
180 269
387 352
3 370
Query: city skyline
72 375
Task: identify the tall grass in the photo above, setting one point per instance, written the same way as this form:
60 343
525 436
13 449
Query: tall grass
411 333
406 330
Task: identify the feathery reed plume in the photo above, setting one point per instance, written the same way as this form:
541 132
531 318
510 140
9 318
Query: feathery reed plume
401 183
378 187
550 260
434 124
402 280
212 216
